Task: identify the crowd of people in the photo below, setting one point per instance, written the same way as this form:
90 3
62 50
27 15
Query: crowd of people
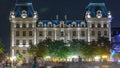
32 63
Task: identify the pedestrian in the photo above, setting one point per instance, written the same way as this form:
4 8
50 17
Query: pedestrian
30 62
33 64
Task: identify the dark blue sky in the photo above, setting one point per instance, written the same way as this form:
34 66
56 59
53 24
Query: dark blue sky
47 9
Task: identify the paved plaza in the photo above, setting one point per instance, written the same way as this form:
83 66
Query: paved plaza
77 65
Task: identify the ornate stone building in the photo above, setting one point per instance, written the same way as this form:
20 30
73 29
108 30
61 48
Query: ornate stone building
26 28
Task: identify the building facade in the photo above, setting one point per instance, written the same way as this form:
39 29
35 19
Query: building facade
26 28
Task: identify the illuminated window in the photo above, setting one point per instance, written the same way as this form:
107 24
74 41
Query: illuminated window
24 42
17 25
74 33
99 33
99 25
49 33
17 33
30 25
24 33
30 33
83 33
24 52
17 42
24 25
40 33
30 41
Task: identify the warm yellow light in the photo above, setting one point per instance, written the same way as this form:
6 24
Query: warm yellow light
104 56
97 58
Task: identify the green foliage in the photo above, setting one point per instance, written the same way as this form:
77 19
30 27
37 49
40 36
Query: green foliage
58 49
1 47
39 50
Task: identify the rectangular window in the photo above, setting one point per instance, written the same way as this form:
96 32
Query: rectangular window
30 25
49 33
24 52
99 33
24 25
93 25
105 33
17 42
105 25
62 33
17 51
30 33
40 33
74 33
24 42
83 33
99 25
92 33
17 25
30 41
17 33
24 33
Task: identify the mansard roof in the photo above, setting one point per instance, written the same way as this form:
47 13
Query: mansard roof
94 7
19 7
57 22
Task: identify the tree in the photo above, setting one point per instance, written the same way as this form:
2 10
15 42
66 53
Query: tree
104 45
1 50
76 46
39 50
57 48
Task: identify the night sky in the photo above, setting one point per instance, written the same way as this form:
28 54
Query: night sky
47 9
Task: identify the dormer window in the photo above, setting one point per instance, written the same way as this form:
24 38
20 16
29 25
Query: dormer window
99 14
73 24
62 24
82 24
24 14
40 24
49 24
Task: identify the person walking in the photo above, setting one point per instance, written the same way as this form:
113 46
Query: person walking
33 64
